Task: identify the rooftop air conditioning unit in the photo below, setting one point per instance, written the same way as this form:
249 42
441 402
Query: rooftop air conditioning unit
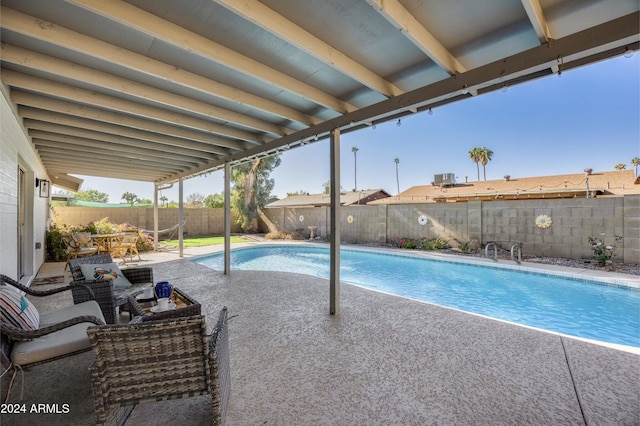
445 179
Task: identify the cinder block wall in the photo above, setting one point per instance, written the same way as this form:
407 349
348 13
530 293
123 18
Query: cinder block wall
503 222
202 221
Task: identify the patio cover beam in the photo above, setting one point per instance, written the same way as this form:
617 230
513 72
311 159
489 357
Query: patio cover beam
49 32
537 19
269 20
394 12
63 69
521 66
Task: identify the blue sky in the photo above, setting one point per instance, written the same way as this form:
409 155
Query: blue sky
587 117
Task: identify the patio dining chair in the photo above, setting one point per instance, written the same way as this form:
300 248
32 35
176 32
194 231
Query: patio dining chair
106 294
78 245
129 245
29 337
159 361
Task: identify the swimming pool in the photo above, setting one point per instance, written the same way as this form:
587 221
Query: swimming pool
576 308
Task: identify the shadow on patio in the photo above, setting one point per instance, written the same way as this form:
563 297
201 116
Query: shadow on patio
385 360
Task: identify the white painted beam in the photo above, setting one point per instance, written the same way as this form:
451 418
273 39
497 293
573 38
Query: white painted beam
141 110
280 26
206 48
70 108
51 33
84 75
36 118
401 18
537 19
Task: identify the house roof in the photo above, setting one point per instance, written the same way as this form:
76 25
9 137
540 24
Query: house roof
162 89
619 182
346 198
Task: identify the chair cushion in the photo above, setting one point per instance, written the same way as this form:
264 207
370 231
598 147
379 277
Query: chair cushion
59 343
106 271
17 310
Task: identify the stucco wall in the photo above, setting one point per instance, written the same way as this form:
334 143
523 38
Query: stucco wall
504 222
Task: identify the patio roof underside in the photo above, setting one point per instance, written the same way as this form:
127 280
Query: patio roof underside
158 90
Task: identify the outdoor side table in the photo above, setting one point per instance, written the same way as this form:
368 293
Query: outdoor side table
141 309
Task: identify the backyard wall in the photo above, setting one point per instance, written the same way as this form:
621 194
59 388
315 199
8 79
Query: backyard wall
203 221
504 222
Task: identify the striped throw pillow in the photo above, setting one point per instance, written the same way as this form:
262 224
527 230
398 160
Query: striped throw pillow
16 310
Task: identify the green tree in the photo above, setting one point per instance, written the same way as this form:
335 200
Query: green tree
620 166
144 201
214 201
327 187
130 198
636 162
355 168
397 161
298 192
164 200
485 157
92 195
251 189
476 155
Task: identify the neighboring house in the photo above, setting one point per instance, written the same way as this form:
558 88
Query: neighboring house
596 184
346 199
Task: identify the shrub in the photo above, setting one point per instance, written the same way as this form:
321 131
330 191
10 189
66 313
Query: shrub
602 252
434 244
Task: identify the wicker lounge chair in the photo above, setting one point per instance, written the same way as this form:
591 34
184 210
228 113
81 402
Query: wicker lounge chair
158 361
107 298
60 333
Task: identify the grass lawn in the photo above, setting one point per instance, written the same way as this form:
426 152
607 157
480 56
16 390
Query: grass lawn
205 241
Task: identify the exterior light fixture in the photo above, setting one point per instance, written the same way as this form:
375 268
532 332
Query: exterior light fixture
399 123
430 111
465 89
628 53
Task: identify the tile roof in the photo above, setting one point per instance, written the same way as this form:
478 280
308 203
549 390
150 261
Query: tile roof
618 182
346 198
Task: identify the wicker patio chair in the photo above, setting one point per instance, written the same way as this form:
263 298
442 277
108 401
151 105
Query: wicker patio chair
158 361
60 333
108 299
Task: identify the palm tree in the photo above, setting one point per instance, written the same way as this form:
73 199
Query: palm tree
475 155
355 168
485 157
397 160
164 199
636 162
620 166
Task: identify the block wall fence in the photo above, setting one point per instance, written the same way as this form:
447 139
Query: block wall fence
503 222
197 221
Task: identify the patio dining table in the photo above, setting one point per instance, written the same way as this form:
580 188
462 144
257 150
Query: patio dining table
110 243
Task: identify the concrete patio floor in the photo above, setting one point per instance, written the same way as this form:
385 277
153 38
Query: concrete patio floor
384 360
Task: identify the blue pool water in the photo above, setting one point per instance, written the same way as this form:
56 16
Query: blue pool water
577 308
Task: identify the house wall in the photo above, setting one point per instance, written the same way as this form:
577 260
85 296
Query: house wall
202 221
16 152
503 222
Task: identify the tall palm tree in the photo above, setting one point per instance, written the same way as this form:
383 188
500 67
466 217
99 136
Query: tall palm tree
397 160
164 200
475 155
636 162
620 166
485 157
355 168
